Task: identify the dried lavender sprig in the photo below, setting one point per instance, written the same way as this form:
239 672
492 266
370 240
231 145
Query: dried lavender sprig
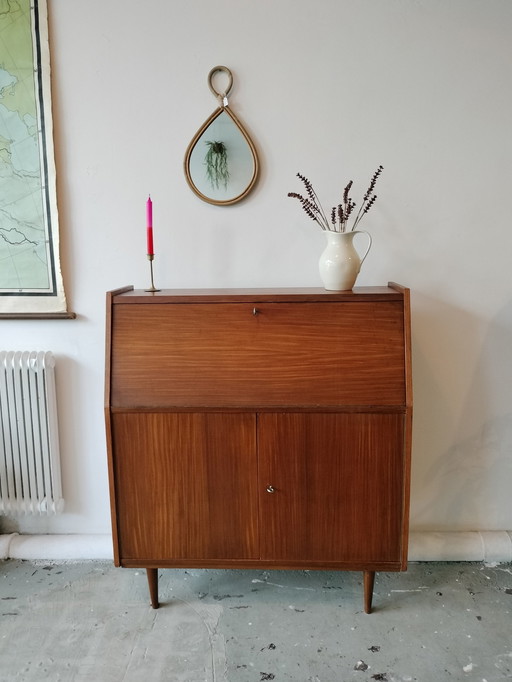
341 218
308 186
346 191
370 189
337 218
368 200
350 207
343 212
314 198
349 204
370 203
306 203
310 209
363 210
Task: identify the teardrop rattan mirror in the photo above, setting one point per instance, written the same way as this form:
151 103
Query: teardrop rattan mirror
221 163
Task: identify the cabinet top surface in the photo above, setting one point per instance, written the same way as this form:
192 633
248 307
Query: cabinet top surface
130 295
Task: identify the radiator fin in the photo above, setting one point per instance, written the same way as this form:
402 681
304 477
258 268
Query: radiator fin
30 480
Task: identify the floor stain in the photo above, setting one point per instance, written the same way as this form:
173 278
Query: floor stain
270 646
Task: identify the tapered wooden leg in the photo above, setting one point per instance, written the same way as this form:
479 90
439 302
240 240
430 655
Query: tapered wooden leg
368 579
152 574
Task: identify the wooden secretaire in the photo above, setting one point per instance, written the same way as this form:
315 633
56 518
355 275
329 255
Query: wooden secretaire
261 428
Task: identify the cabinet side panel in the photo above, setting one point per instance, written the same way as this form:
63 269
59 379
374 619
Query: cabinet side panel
338 487
186 486
108 426
266 354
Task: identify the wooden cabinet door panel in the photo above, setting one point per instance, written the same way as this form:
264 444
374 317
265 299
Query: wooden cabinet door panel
258 355
186 485
338 487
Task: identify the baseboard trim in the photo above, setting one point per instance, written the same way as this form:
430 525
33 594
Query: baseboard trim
56 547
487 546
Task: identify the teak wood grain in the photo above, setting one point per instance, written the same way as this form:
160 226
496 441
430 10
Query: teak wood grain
259 428
189 486
267 354
338 487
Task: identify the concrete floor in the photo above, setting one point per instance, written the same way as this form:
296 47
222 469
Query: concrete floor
91 622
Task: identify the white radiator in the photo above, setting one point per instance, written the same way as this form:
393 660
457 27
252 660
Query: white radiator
30 479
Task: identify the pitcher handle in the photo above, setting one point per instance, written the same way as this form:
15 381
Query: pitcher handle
369 244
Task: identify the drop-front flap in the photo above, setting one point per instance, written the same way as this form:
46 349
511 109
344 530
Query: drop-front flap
258 355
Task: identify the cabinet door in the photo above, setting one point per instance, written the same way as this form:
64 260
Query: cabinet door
337 487
185 485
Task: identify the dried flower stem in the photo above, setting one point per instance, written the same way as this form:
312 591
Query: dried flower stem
369 198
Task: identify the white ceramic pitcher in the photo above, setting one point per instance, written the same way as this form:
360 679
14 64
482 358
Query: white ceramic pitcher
340 263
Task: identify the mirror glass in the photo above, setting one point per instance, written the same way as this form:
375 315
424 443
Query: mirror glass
221 164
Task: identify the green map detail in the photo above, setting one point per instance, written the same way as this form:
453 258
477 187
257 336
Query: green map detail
24 240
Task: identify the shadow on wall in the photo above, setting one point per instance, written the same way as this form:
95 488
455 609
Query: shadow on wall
462 464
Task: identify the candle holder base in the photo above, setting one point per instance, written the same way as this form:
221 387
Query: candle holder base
152 288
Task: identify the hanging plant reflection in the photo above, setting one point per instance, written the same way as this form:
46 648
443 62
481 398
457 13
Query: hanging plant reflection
216 163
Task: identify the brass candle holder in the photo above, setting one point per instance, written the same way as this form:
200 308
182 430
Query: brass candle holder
151 257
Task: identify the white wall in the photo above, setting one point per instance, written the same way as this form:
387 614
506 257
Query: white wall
332 89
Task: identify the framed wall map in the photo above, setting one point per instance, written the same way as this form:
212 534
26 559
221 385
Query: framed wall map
30 276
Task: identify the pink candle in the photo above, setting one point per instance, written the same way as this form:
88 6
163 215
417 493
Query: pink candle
149 226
